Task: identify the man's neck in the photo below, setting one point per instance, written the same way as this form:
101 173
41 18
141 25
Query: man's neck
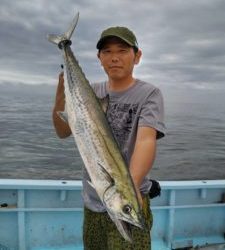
120 84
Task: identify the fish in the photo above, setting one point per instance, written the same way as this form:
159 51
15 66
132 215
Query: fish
107 169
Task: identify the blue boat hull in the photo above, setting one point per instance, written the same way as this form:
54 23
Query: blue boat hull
47 215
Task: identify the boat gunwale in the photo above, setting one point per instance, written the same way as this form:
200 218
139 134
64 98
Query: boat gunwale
77 184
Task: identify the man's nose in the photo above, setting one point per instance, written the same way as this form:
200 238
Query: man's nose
115 58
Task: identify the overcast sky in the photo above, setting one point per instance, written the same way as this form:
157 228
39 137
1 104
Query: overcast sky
183 42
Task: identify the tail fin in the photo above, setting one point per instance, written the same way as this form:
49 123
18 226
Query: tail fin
58 39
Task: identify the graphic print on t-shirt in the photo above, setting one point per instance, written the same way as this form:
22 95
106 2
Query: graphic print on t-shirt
120 117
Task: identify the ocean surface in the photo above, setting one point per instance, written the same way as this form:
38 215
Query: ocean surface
193 149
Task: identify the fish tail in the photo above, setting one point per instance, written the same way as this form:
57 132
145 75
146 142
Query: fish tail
63 39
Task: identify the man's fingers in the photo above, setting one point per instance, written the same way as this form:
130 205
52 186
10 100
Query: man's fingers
61 77
61 74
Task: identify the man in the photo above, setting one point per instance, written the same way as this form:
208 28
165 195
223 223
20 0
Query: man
135 114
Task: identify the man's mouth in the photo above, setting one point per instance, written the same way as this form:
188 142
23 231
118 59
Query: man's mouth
115 67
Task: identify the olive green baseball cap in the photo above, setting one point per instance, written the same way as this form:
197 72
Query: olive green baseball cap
121 32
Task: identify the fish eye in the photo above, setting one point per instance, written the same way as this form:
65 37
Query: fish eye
127 209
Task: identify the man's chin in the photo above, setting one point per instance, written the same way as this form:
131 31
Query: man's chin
116 77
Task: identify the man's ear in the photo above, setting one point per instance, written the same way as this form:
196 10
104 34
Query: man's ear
98 55
138 56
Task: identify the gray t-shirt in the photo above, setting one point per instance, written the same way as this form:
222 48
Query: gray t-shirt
141 105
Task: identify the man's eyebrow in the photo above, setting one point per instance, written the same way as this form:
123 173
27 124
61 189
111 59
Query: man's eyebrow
105 47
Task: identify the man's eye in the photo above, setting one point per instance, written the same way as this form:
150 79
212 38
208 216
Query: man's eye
123 51
106 51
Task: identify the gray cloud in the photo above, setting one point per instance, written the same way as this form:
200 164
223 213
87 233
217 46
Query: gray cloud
182 41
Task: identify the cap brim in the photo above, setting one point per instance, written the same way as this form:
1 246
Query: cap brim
103 40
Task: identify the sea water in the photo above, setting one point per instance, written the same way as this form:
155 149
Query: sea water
193 148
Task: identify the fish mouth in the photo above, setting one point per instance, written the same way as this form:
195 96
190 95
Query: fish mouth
127 229
138 223
125 225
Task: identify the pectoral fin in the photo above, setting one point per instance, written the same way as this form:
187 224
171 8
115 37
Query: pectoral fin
106 174
91 184
63 115
111 189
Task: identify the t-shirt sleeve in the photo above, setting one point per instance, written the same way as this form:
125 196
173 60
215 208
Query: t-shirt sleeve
99 89
95 87
152 113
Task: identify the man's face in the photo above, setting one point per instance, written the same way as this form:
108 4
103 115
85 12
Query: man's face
118 59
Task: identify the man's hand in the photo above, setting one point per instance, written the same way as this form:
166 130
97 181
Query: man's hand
62 128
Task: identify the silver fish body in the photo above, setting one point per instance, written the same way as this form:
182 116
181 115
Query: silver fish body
102 158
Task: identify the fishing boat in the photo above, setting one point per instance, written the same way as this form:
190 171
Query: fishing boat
48 215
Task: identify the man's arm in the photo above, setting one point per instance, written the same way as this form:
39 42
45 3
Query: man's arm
143 156
62 128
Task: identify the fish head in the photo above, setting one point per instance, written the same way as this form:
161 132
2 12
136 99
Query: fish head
122 207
